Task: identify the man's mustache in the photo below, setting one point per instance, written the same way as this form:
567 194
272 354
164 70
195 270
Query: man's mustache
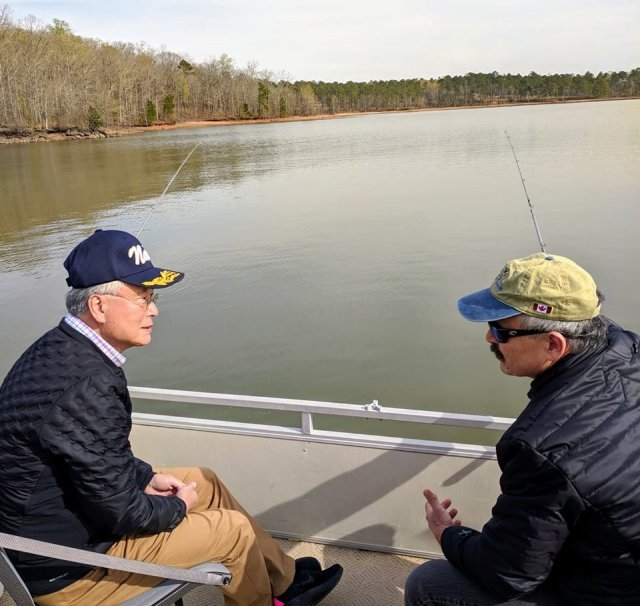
496 351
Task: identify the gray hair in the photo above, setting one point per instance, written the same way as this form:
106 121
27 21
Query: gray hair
77 299
582 335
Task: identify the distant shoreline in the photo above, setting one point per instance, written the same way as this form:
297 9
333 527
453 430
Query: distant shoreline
74 133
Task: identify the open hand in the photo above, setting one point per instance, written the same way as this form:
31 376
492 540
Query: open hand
439 516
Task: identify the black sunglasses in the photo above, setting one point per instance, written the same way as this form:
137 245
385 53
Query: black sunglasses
502 335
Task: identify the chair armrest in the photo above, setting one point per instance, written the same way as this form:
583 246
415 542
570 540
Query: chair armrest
218 575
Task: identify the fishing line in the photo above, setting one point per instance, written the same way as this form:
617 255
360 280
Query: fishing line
526 193
166 188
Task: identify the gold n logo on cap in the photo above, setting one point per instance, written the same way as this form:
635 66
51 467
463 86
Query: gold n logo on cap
165 278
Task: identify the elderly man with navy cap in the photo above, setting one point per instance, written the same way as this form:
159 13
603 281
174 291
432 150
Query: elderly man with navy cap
565 529
68 475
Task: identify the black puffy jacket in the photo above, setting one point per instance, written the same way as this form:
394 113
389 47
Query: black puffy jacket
67 472
569 512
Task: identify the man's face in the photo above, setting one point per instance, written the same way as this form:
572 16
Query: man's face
128 320
522 356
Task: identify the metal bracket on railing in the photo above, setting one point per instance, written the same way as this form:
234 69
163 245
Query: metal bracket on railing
373 406
307 423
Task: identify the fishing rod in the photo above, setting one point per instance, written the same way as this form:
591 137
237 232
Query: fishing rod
166 188
526 193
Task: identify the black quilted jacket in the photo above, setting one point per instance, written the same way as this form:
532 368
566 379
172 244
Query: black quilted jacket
67 472
569 512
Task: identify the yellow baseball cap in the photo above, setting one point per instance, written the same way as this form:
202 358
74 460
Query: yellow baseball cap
541 285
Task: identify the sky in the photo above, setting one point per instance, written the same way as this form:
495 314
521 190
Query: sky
362 40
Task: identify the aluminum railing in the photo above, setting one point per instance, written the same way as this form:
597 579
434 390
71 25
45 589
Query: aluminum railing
308 408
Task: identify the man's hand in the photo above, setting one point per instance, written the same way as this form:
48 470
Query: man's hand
439 516
164 485
189 495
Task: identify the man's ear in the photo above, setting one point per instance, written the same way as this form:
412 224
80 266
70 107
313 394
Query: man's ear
96 309
557 347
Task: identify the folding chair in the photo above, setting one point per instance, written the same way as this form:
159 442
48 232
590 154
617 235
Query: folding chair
169 591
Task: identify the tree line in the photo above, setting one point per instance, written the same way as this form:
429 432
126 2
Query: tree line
53 79
474 89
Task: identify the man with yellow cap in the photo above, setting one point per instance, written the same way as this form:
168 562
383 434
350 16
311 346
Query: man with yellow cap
565 529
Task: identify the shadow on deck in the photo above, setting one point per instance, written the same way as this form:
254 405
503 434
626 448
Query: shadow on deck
370 578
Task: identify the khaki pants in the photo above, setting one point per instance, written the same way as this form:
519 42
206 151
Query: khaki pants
218 529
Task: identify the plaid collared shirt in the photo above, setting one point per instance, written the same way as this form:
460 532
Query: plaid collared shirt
113 354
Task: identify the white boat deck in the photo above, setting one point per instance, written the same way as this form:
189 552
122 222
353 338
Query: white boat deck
351 491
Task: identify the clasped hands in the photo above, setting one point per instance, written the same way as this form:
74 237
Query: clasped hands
166 485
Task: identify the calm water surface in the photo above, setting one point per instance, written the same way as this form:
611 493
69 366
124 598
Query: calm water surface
324 258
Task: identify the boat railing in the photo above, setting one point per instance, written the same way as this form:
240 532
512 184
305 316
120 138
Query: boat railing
308 409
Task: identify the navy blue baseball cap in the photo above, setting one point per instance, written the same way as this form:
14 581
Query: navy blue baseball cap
115 255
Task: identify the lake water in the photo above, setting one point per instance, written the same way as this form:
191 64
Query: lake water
324 258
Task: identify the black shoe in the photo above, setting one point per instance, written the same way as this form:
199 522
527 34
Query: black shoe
308 563
312 586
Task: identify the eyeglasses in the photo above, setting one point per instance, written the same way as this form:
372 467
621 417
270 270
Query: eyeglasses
502 335
140 301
